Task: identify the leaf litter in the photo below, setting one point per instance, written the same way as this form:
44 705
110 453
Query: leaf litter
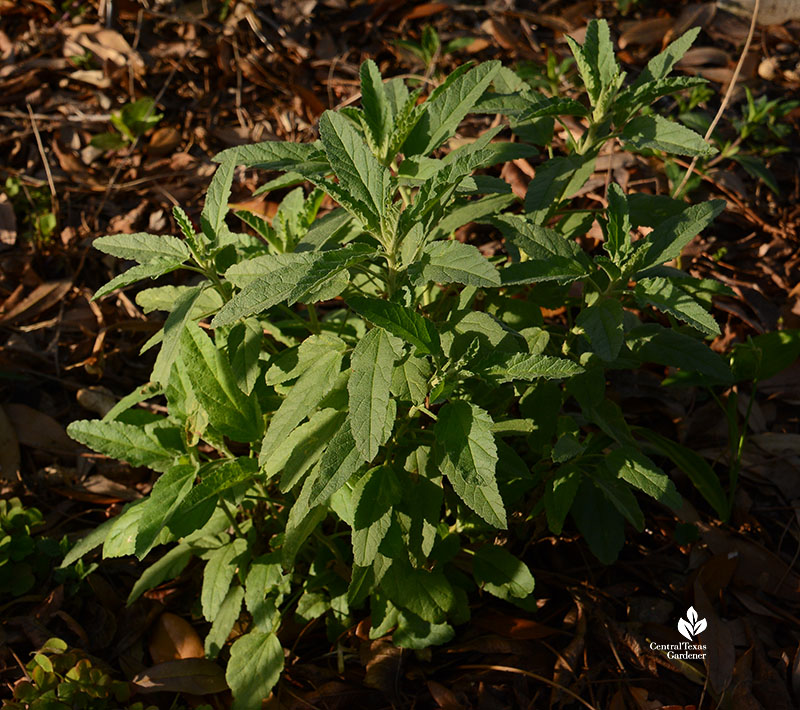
232 73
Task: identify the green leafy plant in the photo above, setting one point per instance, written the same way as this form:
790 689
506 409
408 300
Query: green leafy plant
754 136
357 402
58 677
26 559
33 208
429 49
131 121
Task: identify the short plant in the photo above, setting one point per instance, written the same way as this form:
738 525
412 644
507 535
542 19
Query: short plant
358 402
131 121
429 49
757 134
59 678
33 208
26 559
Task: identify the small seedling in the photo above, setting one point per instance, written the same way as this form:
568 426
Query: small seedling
131 121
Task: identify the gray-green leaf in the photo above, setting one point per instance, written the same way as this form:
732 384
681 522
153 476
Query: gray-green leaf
371 364
659 133
453 262
467 455
254 668
142 247
230 411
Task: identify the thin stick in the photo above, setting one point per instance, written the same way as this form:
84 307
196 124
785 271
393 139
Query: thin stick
535 676
727 97
44 159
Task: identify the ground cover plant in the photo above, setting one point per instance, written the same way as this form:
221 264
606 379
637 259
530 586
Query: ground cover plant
363 413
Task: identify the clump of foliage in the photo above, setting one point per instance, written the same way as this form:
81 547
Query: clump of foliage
58 677
133 120
358 402
758 133
26 559
33 208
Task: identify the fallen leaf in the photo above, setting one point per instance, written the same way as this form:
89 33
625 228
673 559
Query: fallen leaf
196 676
426 9
444 698
99 400
8 222
512 627
383 661
717 638
173 638
40 299
9 449
646 32
39 430
705 56
164 141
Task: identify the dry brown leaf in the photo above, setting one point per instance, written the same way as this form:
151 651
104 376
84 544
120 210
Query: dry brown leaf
717 638
173 638
9 449
501 33
770 12
694 15
383 661
40 299
39 430
196 676
8 222
99 400
705 56
164 141
757 567
515 177
646 32
426 9
512 627
444 698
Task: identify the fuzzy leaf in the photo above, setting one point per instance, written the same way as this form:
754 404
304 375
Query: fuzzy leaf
151 270
224 621
167 494
661 65
668 297
467 455
212 218
290 281
371 365
400 321
500 573
453 262
230 411
602 323
309 390
274 155
658 133
634 467
521 366
447 107
218 575
359 172
340 461
179 316
142 247
128 442
671 235
254 668
375 104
